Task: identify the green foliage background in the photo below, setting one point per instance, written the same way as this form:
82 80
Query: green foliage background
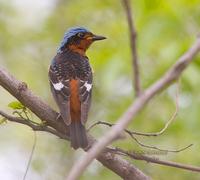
166 29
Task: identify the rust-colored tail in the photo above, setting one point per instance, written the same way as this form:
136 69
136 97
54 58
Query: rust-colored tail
78 135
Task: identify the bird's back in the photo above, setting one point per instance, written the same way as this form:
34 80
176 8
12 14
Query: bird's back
71 65
73 71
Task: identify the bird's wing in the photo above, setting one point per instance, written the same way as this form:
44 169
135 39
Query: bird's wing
85 93
59 83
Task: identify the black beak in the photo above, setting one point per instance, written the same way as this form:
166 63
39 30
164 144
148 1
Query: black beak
97 38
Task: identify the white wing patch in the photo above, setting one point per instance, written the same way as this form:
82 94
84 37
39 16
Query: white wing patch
58 86
88 86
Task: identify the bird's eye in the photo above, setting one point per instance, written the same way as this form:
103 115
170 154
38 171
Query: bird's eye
81 35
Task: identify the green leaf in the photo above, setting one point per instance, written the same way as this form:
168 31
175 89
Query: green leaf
16 105
3 120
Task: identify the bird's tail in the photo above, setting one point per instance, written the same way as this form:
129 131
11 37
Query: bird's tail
78 135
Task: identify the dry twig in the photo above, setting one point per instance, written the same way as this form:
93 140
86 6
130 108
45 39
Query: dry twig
33 125
132 133
148 159
31 155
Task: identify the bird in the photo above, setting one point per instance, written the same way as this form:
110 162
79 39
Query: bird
70 77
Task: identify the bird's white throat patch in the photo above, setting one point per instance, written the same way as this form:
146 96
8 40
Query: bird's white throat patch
88 86
58 86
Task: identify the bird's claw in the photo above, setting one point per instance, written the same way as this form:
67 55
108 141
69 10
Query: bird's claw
59 117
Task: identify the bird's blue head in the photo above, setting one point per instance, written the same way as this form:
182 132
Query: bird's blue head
78 39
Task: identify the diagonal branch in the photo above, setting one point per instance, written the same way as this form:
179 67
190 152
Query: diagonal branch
146 158
133 36
168 78
20 91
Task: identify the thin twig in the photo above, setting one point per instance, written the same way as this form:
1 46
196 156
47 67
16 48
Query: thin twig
133 37
18 113
26 114
25 119
33 125
159 149
148 159
31 155
172 117
131 134
147 134
168 78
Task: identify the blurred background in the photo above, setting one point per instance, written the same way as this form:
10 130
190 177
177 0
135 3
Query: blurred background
30 32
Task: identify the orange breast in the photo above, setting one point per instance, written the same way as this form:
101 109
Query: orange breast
75 104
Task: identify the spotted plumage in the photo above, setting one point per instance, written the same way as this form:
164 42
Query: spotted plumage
65 68
70 78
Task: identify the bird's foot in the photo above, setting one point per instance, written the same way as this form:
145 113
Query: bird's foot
59 117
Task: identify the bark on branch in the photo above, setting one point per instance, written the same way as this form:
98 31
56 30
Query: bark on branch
20 91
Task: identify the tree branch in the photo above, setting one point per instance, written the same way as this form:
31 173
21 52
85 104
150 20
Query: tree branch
138 156
34 126
20 91
132 135
168 78
133 37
